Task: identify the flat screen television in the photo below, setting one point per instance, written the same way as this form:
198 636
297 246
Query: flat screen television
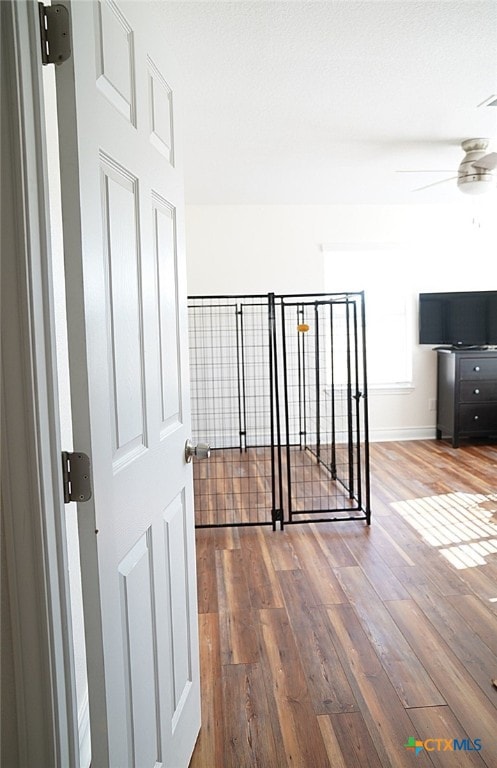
464 319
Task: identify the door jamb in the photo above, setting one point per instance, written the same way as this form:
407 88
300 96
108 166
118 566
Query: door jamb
31 477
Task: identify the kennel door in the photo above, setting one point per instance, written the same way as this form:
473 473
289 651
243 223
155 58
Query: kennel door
324 379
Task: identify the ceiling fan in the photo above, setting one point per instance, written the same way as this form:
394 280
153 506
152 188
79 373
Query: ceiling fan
475 174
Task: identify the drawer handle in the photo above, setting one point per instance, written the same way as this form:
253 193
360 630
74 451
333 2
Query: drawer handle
476 391
476 368
476 418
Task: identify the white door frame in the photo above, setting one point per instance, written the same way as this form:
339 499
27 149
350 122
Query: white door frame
31 477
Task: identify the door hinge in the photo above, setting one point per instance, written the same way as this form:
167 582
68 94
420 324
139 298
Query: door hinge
54 33
76 476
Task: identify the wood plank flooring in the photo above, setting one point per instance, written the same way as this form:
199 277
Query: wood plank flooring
331 644
234 487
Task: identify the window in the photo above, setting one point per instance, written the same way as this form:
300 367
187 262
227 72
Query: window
383 273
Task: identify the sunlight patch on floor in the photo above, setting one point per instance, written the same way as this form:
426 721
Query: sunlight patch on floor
462 526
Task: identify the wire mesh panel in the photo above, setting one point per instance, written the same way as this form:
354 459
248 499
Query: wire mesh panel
232 390
278 390
215 375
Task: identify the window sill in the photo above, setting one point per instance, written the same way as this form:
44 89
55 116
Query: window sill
391 389
379 389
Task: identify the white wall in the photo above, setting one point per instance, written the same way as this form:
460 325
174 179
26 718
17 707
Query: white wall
256 249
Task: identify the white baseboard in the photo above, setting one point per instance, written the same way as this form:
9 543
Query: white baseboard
375 436
403 433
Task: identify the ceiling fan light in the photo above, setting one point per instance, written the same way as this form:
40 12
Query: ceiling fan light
477 184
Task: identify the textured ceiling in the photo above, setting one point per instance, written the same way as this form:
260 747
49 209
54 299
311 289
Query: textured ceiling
322 102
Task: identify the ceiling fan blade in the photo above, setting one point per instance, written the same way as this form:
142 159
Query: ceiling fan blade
487 162
435 184
432 170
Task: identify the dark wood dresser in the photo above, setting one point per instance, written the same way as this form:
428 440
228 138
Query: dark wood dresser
466 394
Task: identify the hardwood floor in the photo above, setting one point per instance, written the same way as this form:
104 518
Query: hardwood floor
234 487
331 644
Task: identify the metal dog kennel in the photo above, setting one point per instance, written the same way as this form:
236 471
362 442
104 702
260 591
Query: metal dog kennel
279 390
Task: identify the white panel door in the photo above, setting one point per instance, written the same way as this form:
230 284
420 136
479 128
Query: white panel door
122 198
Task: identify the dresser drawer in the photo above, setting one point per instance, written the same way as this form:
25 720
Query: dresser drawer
477 368
479 391
478 418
